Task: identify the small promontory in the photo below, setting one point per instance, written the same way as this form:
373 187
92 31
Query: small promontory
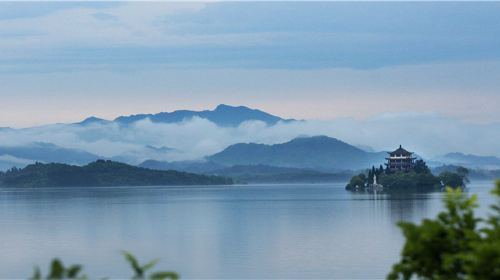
403 172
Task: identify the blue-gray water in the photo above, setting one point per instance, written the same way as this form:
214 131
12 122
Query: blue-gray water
252 231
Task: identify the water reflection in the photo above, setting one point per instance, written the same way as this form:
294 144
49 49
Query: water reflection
407 206
260 231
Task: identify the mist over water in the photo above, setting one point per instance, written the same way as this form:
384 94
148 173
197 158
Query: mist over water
242 231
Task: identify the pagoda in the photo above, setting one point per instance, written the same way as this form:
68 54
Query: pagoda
400 160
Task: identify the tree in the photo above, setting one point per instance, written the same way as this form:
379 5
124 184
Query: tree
455 245
357 182
463 173
421 167
369 178
387 170
451 179
363 178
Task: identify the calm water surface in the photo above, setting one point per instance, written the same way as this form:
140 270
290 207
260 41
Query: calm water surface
251 231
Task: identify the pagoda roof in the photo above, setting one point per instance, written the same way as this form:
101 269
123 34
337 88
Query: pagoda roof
401 151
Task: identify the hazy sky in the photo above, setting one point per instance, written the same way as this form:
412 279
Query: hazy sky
61 62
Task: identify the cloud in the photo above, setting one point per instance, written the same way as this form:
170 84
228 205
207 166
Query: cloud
427 134
26 10
251 35
104 16
15 160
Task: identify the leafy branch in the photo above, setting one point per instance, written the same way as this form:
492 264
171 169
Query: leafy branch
58 271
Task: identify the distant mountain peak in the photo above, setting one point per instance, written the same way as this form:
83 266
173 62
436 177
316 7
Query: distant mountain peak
469 156
222 115
92 120
469 160
316 138
225 107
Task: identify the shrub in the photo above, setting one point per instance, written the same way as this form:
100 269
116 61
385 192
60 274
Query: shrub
455 245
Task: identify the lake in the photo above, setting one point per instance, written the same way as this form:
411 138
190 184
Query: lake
242 231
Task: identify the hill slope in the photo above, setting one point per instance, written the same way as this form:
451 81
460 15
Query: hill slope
47 152
101 173
319 152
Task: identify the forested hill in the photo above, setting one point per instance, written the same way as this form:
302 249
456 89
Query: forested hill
101 173
317 152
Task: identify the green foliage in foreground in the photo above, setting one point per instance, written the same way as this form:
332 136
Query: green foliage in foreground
59 271
455 245
101 173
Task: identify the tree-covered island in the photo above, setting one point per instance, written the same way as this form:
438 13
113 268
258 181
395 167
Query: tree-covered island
101 173
404 172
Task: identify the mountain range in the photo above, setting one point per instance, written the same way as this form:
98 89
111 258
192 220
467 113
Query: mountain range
129 145
471 161
223 115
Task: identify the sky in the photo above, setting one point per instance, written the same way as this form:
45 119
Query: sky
425 75
62 62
